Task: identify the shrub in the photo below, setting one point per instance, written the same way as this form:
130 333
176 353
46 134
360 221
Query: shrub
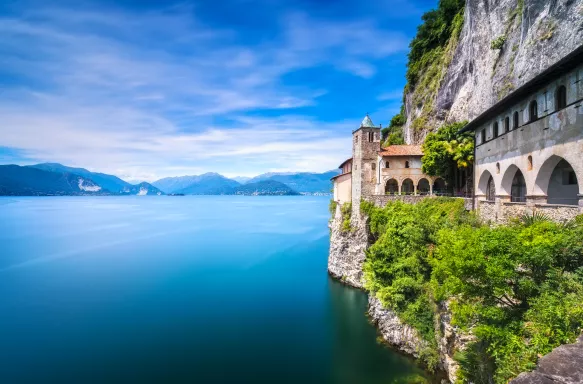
498 43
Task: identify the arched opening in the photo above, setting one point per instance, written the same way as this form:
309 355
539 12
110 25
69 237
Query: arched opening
529 166
495 129
423 187
406 164
518 188
391 187
561 98
563 185
407 187
387 164
497 167
516 120
507 124
532 111
490 190
439 187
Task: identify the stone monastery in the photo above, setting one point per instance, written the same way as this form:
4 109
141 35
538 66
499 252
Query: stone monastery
528 154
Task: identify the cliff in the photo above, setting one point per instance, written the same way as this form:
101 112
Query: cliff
501 45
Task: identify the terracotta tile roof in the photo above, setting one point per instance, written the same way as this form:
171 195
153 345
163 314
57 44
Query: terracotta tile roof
342 174
402 150
344 162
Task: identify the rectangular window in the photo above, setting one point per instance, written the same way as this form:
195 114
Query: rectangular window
374 166
482 136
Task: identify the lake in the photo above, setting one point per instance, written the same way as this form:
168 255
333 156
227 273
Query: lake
194 289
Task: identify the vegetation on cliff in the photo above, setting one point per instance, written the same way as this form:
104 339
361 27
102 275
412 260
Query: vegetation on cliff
431 52
517 288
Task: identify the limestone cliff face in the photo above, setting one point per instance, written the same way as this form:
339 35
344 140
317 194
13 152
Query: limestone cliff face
530 36
347 250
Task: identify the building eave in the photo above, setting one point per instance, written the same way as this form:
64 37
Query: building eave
567 63
342 174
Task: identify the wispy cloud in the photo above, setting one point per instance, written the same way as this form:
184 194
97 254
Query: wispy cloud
148 94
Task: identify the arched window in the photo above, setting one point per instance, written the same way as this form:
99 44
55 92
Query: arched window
490 190
515 118
507 124
423 187
495 129
371 137
374 166
529 166
406 164
482 136
387 165
497 167
532 111
561 98
407 187
392 187
518 188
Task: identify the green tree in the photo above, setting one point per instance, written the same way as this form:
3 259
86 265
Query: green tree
447 152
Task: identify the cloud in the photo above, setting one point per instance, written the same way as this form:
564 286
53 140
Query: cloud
148 94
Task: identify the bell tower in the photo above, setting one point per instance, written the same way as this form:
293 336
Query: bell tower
366 143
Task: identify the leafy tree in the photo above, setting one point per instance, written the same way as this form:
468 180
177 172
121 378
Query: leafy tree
393 134
446 152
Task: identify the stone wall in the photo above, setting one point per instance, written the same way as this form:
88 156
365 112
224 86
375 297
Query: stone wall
503 212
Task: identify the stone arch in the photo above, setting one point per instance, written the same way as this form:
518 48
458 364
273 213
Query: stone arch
391 187
439 186
423 186
558 181
484 183
407 187
508 178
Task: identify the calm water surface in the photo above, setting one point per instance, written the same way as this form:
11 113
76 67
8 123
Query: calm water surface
180 289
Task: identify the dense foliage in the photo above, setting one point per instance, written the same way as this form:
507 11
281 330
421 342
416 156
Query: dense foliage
446 152
433 34
518 289
393 134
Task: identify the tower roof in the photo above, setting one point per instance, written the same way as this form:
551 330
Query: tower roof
367 122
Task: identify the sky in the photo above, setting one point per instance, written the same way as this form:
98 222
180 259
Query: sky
147 89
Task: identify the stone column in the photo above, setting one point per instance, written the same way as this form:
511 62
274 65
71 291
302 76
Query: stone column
430 188
580 203
399 185
415 189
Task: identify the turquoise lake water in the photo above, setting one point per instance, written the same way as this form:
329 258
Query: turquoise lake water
207 289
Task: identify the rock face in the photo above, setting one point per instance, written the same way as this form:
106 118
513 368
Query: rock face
394 332
564 365
347 250
531 34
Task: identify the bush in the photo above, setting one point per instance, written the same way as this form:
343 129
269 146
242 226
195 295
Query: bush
517 288
346 211
498 43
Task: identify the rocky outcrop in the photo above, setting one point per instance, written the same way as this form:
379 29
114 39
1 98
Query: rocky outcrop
529 36
564 365
347 249
394 331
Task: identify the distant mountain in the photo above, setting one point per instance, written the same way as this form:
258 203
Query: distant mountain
27 181
264 188
305 182
57 179
141 189
241 179
206 184
112 183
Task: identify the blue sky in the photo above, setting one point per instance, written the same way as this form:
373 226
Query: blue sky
147 89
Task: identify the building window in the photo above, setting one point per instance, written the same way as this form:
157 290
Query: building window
529 166
561 98
482 136
495 129
406 164
532 111
497 167
507 124
515 118
374 166
569 178
387 165
370 137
